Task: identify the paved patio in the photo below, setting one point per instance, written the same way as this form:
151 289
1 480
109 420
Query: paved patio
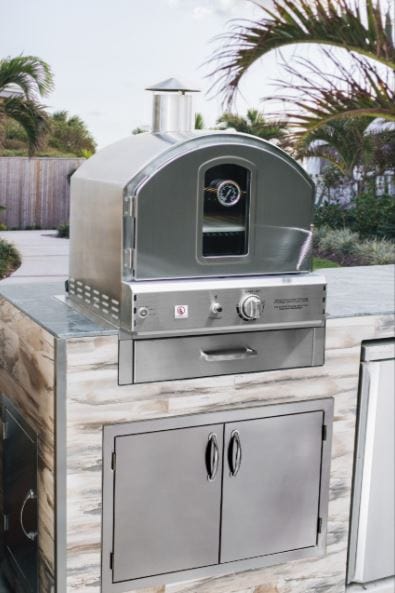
44 256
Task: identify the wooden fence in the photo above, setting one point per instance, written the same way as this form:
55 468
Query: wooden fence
35 191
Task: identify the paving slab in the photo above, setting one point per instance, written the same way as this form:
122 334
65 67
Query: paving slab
45 256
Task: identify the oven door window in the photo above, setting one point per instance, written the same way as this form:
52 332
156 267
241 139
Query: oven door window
226 205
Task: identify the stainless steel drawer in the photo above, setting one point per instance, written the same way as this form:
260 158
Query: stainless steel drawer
222 354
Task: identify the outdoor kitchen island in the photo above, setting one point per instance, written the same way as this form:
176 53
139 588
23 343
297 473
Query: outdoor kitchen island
59 380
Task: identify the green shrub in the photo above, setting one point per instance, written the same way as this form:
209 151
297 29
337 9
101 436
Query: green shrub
368 215
9 259
332 214
373 216
64 231
376 251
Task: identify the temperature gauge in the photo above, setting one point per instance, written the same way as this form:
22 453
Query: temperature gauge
228 192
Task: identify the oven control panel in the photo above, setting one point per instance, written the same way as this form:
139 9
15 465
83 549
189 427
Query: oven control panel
198 307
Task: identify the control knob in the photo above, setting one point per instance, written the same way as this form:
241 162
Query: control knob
250 307
216 308
143 312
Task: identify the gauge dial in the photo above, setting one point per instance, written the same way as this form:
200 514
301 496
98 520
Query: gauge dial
228 192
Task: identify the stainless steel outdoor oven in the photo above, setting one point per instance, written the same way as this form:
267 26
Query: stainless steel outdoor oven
197 244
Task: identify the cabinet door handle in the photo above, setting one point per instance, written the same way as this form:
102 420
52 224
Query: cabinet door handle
228 354
212 457
234 453
29 534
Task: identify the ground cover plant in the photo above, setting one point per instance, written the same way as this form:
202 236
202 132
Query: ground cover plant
64 231
347 248
9 259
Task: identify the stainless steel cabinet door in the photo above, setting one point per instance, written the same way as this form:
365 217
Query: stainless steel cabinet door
167 501
271 485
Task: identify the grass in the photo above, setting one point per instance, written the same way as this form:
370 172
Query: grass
10 259
319 262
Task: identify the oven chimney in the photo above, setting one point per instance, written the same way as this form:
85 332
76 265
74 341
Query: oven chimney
172 106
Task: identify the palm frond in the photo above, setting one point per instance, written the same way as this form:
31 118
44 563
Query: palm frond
256 124
325 22
323 97
327 153
30 116
29 74
233 120
61 116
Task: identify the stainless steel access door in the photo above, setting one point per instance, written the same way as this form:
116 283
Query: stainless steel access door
20 498
271 485
167 501
162 514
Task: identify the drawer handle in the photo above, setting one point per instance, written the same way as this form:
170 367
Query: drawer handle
212 457
29 534
234 453
230 354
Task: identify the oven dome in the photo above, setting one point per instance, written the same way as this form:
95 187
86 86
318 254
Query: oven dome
189 205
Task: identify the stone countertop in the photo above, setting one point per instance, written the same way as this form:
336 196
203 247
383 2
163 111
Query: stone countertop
41 303
352 292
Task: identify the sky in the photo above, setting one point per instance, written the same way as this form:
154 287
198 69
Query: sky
105 52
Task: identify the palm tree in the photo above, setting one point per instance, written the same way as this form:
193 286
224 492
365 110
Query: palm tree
254 123
360 28
70 134
24 80
199 121
342 142
356 149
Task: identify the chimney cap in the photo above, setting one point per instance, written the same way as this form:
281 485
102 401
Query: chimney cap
172 85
